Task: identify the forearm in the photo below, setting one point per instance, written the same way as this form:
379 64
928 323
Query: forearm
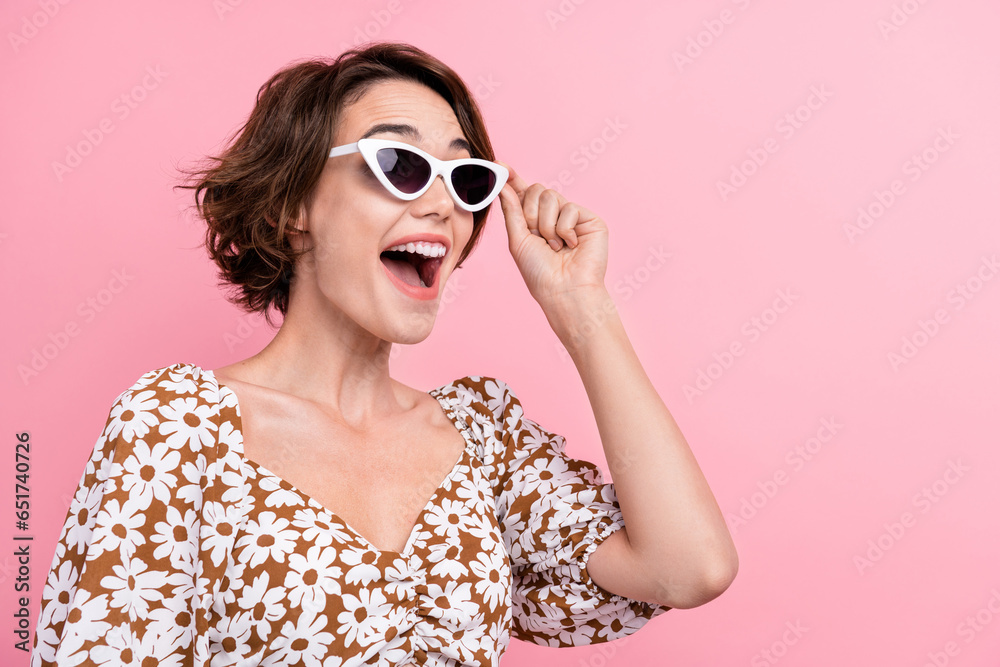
673 523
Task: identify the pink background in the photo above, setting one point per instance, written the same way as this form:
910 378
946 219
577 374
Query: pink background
834 100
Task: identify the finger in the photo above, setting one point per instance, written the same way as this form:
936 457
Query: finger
529 204
585 213
513 217
515 180
548 213
566 225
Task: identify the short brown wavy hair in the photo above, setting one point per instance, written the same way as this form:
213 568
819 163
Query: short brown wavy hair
250 193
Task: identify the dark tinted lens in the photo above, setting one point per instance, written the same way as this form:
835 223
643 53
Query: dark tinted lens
406 170
473 182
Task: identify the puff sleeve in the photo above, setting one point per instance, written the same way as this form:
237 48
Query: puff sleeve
554 511
141 554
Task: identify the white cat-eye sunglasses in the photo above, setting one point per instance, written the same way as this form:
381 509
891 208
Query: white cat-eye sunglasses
407 172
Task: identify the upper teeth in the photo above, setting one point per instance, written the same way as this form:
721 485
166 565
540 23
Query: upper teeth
426 249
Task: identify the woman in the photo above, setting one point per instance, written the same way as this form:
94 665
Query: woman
301 506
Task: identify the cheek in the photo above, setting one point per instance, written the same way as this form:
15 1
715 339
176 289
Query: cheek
347 231
333 261
328 252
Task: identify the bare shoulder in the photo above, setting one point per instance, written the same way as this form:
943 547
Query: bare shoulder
235 373
419 405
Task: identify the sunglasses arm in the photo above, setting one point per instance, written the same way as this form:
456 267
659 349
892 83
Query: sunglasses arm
346 149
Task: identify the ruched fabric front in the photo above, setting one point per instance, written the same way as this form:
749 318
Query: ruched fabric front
180 549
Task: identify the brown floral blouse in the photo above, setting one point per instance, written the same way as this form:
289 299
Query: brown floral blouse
177 550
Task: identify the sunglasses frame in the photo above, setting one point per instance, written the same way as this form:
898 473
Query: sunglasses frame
369 148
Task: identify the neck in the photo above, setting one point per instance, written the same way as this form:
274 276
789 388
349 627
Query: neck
328 359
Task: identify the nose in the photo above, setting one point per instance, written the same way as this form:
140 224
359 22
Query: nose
436 199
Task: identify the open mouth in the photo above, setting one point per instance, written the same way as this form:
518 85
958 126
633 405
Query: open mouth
411 267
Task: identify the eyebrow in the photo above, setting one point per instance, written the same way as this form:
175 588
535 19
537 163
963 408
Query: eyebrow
411 132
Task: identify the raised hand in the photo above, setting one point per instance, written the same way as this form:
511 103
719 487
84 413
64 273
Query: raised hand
560 248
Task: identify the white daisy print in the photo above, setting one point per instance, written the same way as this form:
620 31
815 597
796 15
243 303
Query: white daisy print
181 586
535 437
493 579
453 595
312 577
229 435
445 560
177 620
180 382
266 538
230 639
316 529
468 491
263 602
545 474
61 585
278 495
446 517
480 525
133 587
188 424
175 536
495 394
86 618
362 566
117 649
193 473
303 642
150 472
237 487
222 521
135 416
159 649
119 528
184 549
399 580
364 616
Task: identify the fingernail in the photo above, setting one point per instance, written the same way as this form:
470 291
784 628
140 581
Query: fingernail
556 245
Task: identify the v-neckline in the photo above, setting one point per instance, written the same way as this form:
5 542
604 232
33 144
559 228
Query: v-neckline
437 394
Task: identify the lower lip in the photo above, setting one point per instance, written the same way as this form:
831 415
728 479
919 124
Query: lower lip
419 293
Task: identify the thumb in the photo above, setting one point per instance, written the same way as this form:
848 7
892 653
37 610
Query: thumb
513 216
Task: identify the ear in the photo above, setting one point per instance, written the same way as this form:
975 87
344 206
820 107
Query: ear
297 225
300 223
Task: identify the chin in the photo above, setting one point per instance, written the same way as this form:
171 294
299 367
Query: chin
408 339
414 332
